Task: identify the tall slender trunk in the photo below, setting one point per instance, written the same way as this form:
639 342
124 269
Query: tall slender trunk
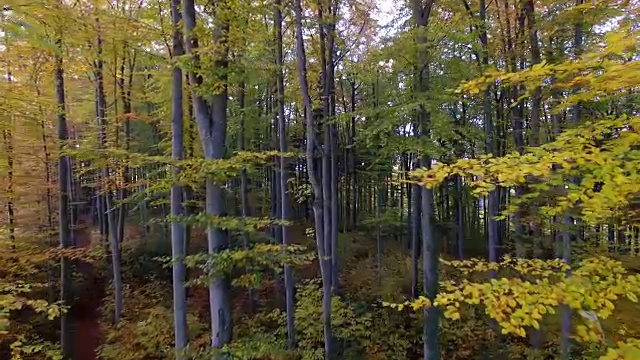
565 310
458 206
326 179
536 99
314 179
49 197
379 204
7 137
111 225
430 250
64 230
517 119
125 95
493 198
284 177
354 160
178 233
333 142
416 204
244 186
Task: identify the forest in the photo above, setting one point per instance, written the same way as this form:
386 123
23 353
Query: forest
319 179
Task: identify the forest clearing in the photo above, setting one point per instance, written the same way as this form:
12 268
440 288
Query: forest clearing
319 179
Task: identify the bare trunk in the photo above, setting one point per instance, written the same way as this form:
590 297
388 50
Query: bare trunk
110 226
284 179
430 248
314 179
212 128
63 204
178 233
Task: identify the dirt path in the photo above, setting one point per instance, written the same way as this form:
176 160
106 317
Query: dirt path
86 314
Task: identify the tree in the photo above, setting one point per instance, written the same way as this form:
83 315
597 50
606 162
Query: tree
212 127
178 233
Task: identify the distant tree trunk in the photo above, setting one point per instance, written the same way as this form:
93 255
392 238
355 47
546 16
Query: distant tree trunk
333 142
108 203
64 230
244 186
536 102
178 233
565 310
49 197
354 159
493 198
326 179
416 204
284 178
517 119
125 95
379 204
7 137
458 206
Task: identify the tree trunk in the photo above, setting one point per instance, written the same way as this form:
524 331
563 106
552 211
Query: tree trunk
64 174
314 180
178 233
111 231
430 249
284 179
212 128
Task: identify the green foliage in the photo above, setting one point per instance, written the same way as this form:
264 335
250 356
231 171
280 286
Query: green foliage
361 331
599 153
237 224
253 346
13 297
147 336
390 222
520 303
253 260
23 340
146 330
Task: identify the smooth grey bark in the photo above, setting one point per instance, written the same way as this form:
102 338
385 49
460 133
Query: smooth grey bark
178 231
517 119
49 197
536 58
244 186
493 198
379 204
64 173
430 260
416 215
458 206
430 249
7 137
284 178
125 83
333 143
354 159
111 225
314 179
212 129
567 234
326 179
535 139
379 199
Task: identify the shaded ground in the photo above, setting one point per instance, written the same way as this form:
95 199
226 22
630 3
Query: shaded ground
86 314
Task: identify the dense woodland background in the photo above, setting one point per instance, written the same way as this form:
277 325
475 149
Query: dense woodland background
288 179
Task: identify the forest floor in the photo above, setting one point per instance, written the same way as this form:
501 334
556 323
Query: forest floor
86 314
